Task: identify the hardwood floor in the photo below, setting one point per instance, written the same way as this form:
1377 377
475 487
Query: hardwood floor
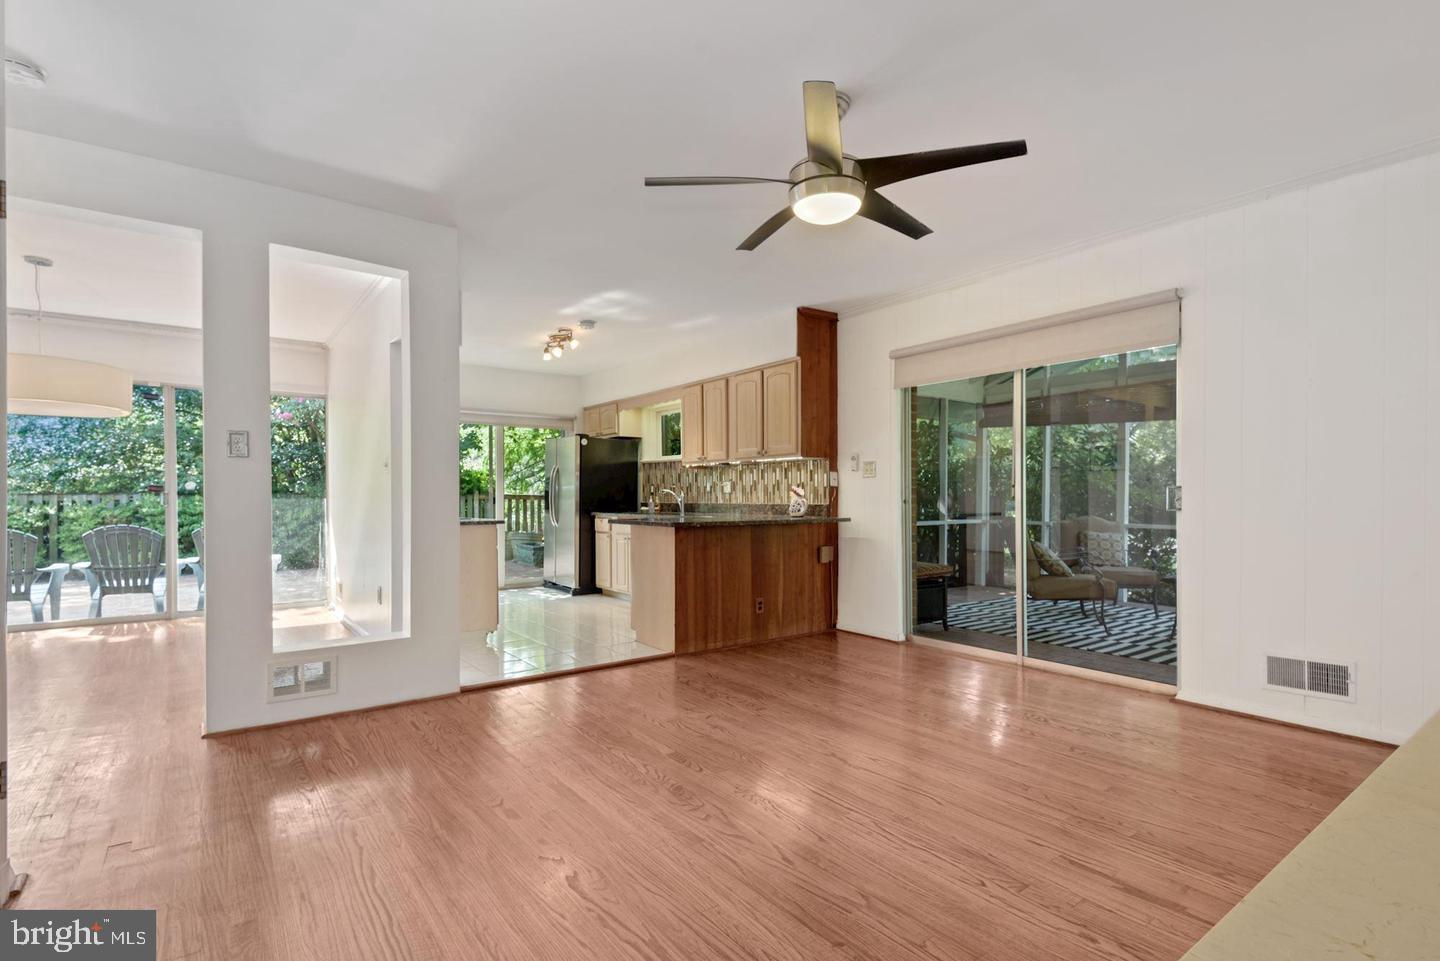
832 797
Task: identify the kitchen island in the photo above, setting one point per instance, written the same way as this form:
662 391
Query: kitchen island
480 575
710 581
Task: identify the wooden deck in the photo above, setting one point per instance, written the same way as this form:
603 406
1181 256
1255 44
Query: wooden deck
831 797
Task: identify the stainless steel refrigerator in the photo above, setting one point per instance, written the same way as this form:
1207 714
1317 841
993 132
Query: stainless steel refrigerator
584 474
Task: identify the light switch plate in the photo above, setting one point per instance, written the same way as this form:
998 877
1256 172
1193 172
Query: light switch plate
834 478
868 469
239 443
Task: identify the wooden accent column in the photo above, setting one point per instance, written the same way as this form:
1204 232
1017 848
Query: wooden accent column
817 345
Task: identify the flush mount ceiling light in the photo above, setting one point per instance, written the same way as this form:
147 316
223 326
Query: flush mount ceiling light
830 187
47 386
562 340
23 74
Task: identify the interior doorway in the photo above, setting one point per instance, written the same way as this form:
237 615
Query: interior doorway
1055 485
502 474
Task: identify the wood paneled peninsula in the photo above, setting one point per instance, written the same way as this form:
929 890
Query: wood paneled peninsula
711 581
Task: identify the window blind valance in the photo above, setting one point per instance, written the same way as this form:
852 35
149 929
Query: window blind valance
1152 320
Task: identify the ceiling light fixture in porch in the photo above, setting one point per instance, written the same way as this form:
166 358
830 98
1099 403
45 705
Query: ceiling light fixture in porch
62 386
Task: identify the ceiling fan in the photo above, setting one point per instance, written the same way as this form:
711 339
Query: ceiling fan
829 186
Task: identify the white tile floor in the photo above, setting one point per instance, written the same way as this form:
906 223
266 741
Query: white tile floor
543 630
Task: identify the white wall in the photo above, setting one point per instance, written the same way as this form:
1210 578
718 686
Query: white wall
1309 426
239 220
360 477
496 390
704 353
156 353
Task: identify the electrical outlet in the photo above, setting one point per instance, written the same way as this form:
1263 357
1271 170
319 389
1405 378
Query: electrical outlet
759 605
238 443
868 469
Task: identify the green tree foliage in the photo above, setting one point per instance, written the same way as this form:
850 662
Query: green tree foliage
125 458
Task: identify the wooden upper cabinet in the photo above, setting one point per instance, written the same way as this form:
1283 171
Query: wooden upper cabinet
715 439
747 430
692 425
609 420
782 409
591 421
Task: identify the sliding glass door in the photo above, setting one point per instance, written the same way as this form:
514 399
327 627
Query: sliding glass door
90 525
1095 475
962 456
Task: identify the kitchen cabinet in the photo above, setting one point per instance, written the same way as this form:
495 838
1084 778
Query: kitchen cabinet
715 420
612 556
604 570
602 420
620 558
747 407
743 416
609 420
692 425
782 409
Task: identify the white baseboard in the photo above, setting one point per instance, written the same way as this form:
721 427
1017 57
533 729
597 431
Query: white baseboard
1368 731
869 632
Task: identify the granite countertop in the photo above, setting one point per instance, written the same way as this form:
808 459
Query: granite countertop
700 519
1365 884
483 520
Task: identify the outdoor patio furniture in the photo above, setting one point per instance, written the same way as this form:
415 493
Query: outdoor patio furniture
931 601
1102 547
1083 586
197 564
23 576
124 559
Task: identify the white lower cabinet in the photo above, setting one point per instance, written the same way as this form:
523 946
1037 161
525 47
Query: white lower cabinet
612 556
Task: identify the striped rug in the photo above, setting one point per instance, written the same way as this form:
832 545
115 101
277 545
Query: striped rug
1135 631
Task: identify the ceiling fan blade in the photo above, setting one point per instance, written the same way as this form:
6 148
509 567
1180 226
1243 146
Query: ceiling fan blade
763 232
879 171
822 124
877 208
708 181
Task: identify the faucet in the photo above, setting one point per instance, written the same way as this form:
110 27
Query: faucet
679 500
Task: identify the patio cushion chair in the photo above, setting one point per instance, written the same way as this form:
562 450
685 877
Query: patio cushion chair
1100 546
197 564
124 559
23 581
1084 586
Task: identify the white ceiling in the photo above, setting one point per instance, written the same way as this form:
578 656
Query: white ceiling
530 125
105 266
119 268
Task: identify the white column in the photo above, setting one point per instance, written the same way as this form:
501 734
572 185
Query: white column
237 490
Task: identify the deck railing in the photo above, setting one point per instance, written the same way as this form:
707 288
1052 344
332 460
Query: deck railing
524 513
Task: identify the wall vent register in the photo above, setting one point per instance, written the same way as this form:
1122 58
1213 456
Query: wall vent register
1316 678
300 678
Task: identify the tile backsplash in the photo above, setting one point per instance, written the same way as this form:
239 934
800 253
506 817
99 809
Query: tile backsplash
756 482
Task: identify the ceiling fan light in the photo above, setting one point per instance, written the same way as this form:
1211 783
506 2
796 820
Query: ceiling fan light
827 200
573 344
545 354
